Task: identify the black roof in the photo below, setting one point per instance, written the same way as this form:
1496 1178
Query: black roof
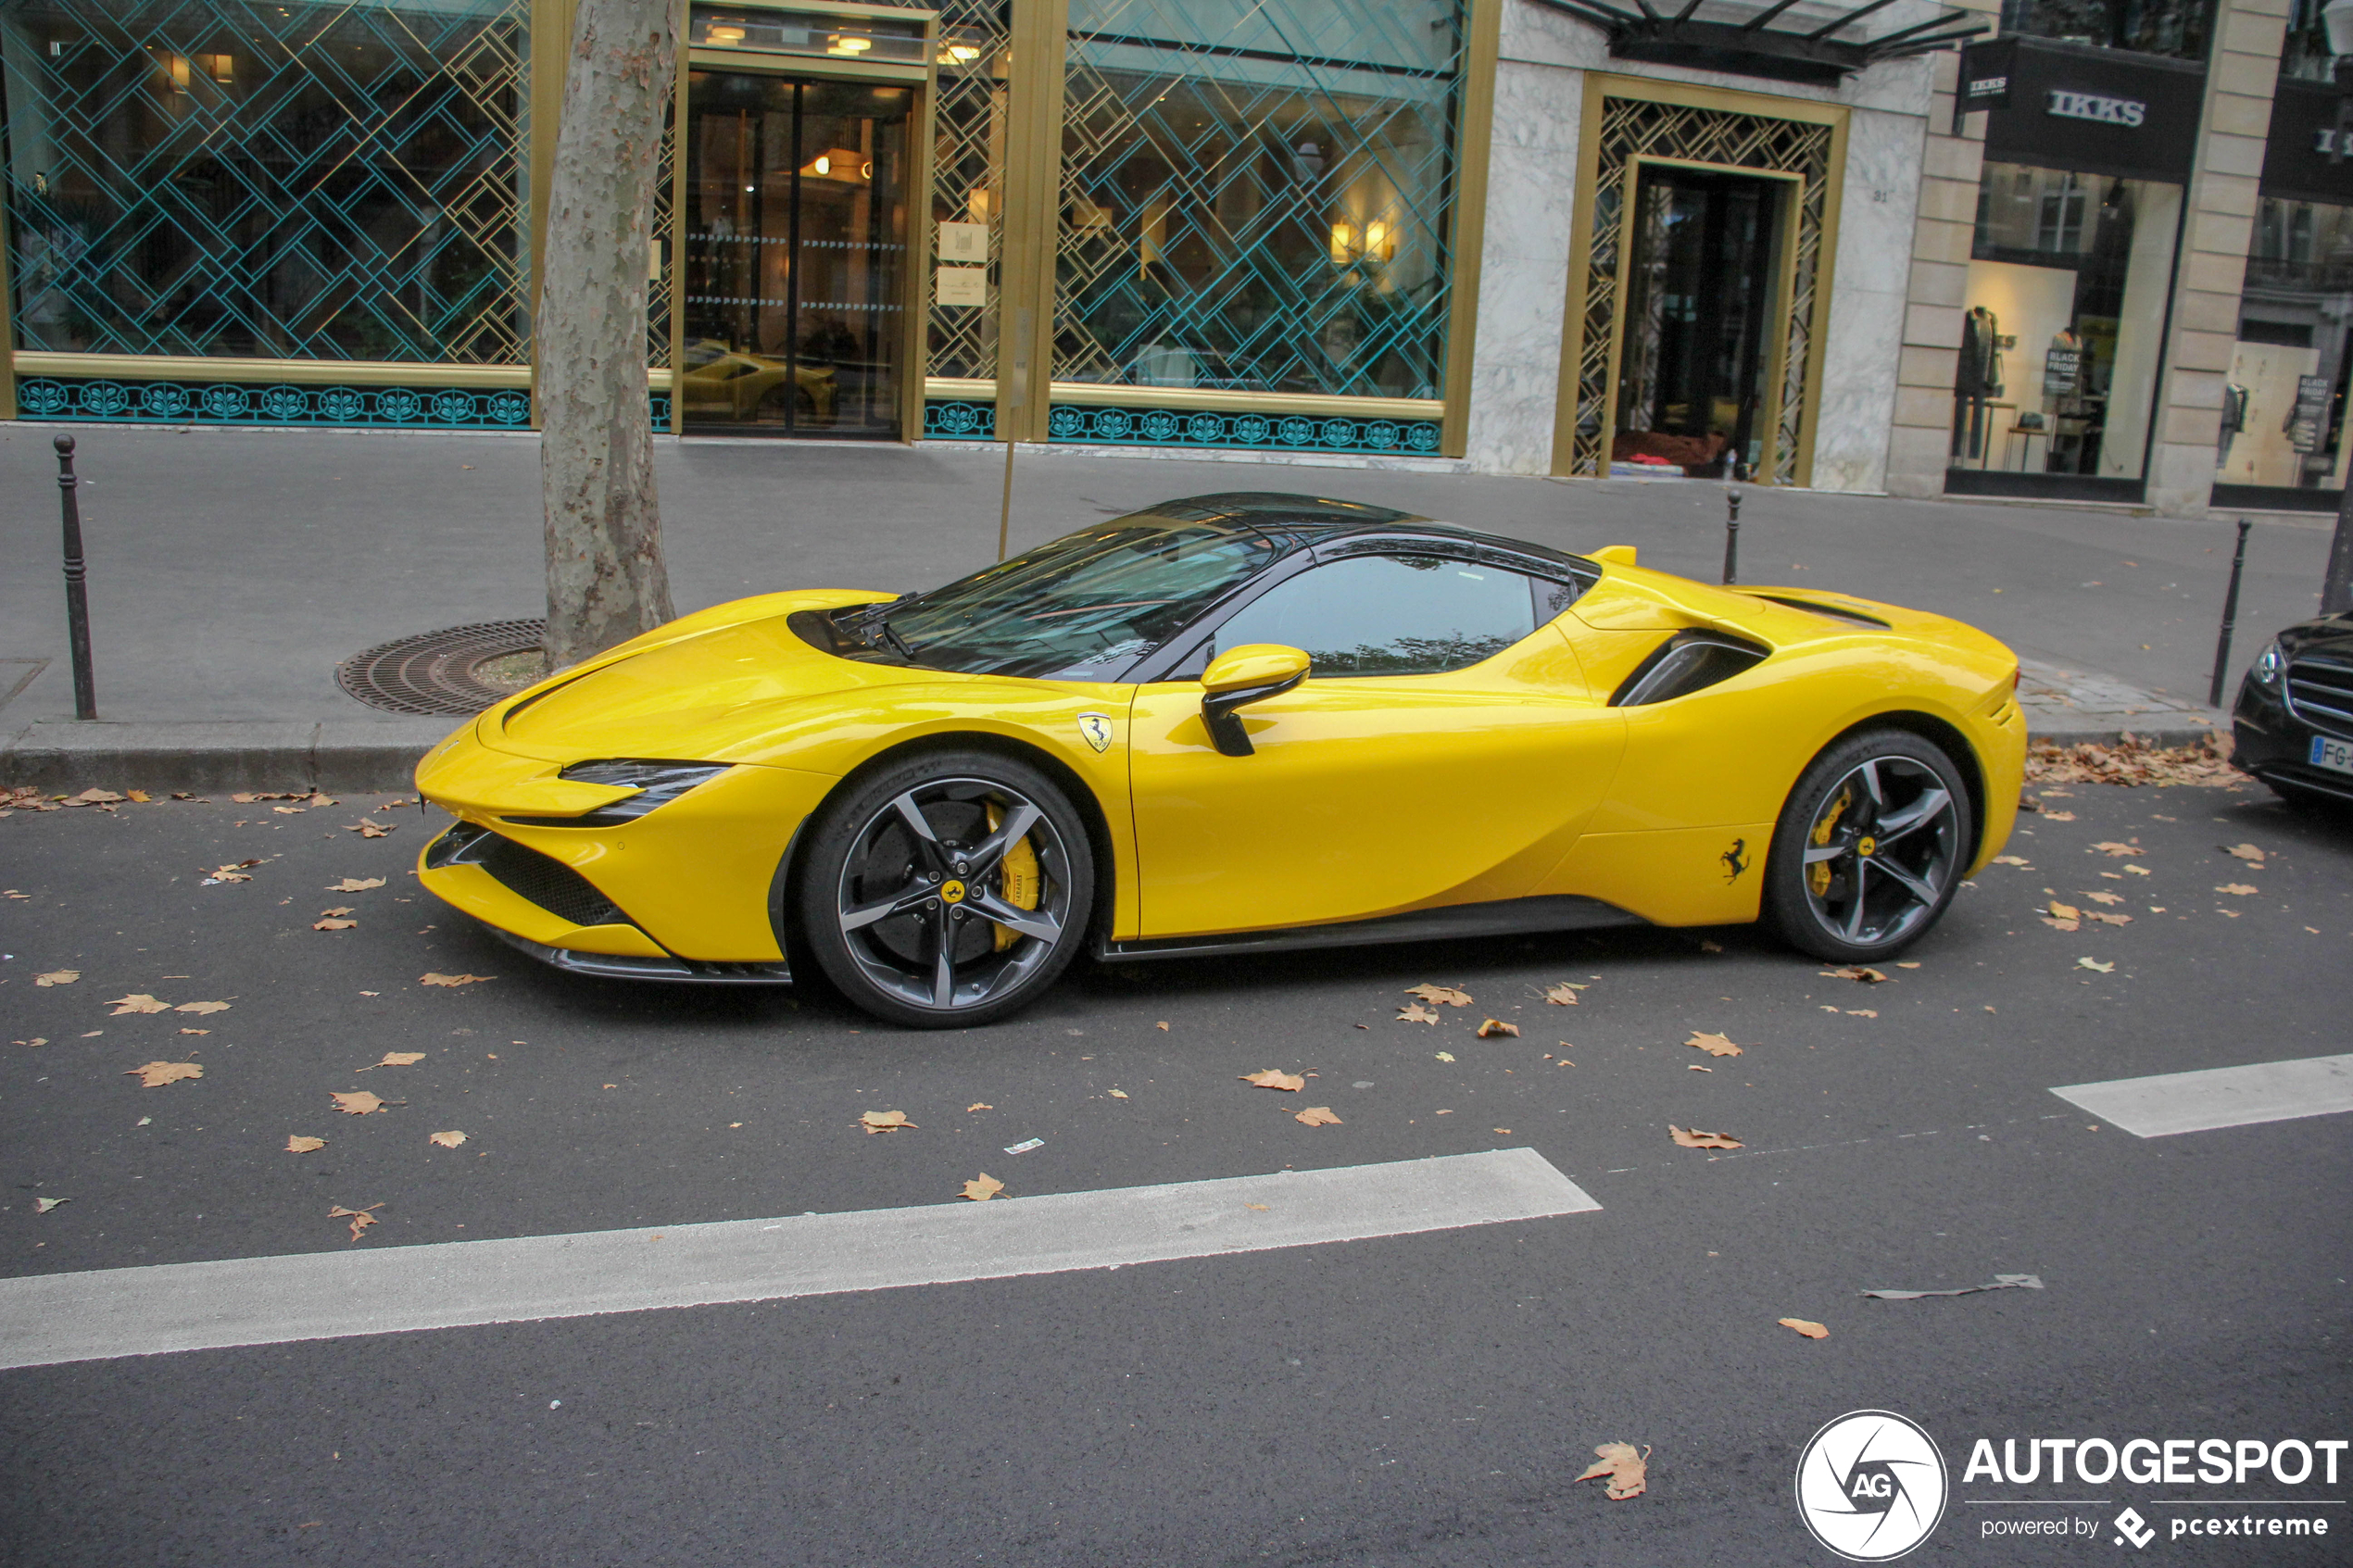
1293 522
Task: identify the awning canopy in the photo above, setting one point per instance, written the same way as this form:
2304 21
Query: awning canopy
1788 40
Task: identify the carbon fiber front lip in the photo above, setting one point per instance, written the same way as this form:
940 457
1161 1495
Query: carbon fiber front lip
615 966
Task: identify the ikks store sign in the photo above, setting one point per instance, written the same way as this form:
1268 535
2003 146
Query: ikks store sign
2128 116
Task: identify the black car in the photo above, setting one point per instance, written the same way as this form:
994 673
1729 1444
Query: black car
2294 723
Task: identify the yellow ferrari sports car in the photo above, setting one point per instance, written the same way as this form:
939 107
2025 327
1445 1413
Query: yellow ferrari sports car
1231 723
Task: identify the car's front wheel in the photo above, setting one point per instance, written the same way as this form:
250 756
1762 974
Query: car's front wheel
947 890
1870 847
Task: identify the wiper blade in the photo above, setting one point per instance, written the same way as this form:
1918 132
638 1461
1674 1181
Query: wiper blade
891 636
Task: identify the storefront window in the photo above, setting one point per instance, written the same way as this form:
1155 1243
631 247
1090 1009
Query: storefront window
2304 56
2176 27
2283 410
312 180
2067 283
1256 197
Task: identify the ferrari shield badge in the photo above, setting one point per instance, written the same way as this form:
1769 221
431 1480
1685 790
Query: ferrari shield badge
1096 727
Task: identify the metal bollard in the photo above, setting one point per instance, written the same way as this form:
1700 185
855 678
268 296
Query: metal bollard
1733 536
2230 619
86 685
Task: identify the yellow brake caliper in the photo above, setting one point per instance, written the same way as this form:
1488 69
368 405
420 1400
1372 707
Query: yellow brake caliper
1018 879
1818 875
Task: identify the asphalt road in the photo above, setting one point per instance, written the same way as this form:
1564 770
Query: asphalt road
1425 1399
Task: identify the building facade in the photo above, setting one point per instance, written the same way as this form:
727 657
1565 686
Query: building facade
1535 236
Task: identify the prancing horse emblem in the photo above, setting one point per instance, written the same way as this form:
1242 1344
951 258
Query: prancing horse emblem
1096 727
1735 859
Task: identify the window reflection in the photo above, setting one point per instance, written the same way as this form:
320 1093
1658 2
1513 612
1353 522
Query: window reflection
2284 407
1389 615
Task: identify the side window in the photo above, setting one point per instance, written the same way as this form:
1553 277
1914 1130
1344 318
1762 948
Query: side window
1392 615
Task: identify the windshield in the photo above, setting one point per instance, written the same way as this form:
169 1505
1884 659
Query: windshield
1082 609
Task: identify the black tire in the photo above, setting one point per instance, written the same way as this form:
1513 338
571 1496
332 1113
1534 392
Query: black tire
1885 814
899 865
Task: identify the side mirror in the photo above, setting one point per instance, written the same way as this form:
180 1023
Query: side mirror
1250 673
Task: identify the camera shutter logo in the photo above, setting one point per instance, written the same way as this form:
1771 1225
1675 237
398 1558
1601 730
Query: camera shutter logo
1871 1486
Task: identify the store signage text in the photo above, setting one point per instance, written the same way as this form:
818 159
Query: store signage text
2068 105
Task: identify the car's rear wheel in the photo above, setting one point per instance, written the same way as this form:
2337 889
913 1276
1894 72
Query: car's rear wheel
949 890
1869 849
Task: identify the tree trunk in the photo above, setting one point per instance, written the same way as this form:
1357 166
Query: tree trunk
606 580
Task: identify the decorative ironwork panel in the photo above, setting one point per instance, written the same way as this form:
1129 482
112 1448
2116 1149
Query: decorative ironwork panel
1259 196
968 171
950 418
663 263
95 400
1636 126
1279 432
306 179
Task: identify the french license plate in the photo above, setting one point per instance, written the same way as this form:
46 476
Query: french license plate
2336 754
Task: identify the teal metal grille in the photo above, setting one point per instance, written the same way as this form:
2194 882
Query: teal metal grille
299 180
1258 196
86 399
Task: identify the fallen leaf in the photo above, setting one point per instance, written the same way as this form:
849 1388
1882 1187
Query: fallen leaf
195 1030
2108 847
1862 1012
1626 1471
2138 871
445 1140
67 977
2245 852
980 1105
2235 889
2095 963
2106 897
296 1144
231 874
1715 1045
1563 995
141 795
202 1009
1695 1067
155 1074
43 1205
1274 1079
2062 924
367 828
1692 1137
1445 1056
1496 1026
334 924
880 1121
336 913
288 810
2064 911
1117 1094
360 1218
317 799
438 979
1806 1326
1262 1208
357 1102
396 1058
1440 995
983 1188
1415 1012
138 1001
1162 1026
2010 860
243 799
1868 976
354 885
2109 919
1317 1116
1707 947
96 796
36 1040
2059 816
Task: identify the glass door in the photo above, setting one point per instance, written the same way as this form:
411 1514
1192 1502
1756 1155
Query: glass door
1700 297
796 255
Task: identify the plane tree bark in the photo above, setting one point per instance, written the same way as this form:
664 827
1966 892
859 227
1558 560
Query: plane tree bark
606 578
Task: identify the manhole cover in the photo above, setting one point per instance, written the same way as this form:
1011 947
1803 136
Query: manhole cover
463 669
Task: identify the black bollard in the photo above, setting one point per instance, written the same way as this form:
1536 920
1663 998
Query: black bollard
1733 536
85 683
2230 619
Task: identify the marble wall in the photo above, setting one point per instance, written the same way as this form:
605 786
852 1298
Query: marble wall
1539 89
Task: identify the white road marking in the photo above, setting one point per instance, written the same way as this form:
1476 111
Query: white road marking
2220 1097
46 1319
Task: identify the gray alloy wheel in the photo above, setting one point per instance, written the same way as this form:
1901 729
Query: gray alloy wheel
1869 849
949 891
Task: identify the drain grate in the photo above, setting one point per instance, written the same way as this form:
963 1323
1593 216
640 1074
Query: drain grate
441 673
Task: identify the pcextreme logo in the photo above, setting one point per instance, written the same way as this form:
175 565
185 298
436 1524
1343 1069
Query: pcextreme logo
1871 1485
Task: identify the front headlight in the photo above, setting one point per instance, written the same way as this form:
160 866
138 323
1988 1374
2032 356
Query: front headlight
2267 667
656 784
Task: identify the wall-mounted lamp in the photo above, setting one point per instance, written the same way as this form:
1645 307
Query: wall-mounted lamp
849 44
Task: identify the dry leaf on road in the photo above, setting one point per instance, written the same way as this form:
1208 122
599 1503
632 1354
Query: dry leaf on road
1162 1026
2059 816
2063 911
983 1187
58 977
1445 1056
885 1122
1626 1470
1692 1137
155 1074
394 1059
980 1105
2245 852
1117 1094
230 872
336 913
360 1102
2010 860
1714 1044
43 1205
202 1009
1274 1078
354 885
445 1140
367 828
1414 1012
2108 847
1862 1012
296 1144
1495 1026
1868 976
439 979
2062 924
333 924
138 1001
1806 1326
360 1218
1440 995
1317 1116
2119 898
1563 995
2235 889
2109 919
2095 963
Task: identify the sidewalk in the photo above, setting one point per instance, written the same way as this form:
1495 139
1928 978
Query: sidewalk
231 569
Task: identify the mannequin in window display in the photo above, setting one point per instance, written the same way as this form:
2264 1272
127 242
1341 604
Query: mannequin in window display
1977 383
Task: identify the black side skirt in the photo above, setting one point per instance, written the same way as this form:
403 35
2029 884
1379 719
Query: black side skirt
1502 918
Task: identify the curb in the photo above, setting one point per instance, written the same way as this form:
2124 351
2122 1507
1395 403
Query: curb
353 755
